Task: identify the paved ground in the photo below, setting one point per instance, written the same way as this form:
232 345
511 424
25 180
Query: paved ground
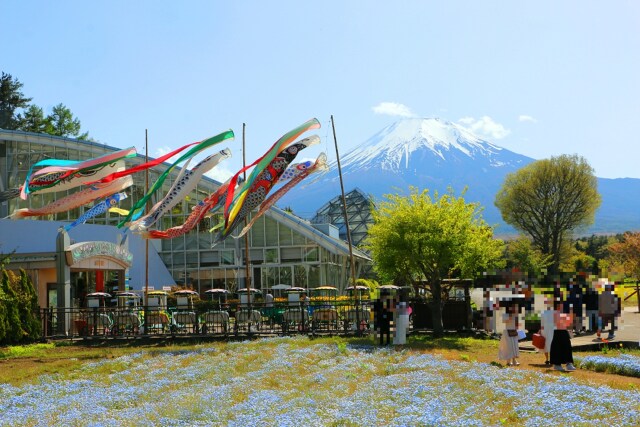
628 333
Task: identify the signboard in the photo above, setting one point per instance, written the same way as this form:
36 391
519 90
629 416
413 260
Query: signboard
98 255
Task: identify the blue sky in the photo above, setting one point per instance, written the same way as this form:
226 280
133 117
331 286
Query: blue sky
539 78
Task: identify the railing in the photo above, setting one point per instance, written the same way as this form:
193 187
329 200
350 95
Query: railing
341 317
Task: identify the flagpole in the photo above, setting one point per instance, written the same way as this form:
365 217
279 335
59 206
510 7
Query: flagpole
246 236
146 241
346 223
247 280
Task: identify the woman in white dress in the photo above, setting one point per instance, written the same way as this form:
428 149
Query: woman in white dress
508 349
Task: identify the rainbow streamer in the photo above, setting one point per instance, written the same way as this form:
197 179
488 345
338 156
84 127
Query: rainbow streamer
57 171
264 182
136 210
181 188
77 199
198 213
297 173
234 201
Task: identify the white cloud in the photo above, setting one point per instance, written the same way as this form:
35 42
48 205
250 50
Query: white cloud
485 127
220 174
526 118
393 109
161 151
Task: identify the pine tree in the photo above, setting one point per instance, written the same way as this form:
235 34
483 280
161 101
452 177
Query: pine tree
13 324
11 100
28 307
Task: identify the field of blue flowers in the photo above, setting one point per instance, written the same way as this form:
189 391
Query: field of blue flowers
624 364
294 381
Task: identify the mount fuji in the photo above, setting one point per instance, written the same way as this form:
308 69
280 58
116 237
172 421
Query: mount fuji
436 154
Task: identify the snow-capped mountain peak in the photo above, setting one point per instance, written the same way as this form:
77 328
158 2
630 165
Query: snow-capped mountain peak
393 146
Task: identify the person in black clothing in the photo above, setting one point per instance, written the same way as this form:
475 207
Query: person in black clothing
573 305
383 314
590 300
560 352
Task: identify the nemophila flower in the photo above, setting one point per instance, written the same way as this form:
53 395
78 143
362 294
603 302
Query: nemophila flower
289 381
625 364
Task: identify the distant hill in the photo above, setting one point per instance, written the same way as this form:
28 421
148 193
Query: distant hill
436 154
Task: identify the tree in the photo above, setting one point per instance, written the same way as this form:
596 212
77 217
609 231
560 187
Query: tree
548 199
578 261
27 302
11 99
625 255
431 238
521 254
62 123
34 120
10 322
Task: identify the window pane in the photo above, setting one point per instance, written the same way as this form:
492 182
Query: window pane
271 255
291 254
300 276
227 257
314 276
285 236
271 232
311 254
298 239
257 233
285 276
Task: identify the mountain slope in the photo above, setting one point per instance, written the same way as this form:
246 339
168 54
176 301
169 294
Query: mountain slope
437 155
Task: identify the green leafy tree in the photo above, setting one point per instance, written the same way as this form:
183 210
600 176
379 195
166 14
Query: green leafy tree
521 254
431 238
34 120
548 199
596 247
62 123
4 308
369 283
11 100
576 260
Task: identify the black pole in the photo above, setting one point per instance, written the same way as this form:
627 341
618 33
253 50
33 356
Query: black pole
247 280
346 223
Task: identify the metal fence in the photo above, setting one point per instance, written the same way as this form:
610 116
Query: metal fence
355 317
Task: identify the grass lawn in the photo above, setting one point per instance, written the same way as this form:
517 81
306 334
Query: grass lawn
294 381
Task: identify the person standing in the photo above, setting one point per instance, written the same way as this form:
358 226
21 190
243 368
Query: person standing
268 300
401 323
547 326
590 300
304 312
608 308
488 308
560 352
383 314
304 300
268 307
508 348
573 306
